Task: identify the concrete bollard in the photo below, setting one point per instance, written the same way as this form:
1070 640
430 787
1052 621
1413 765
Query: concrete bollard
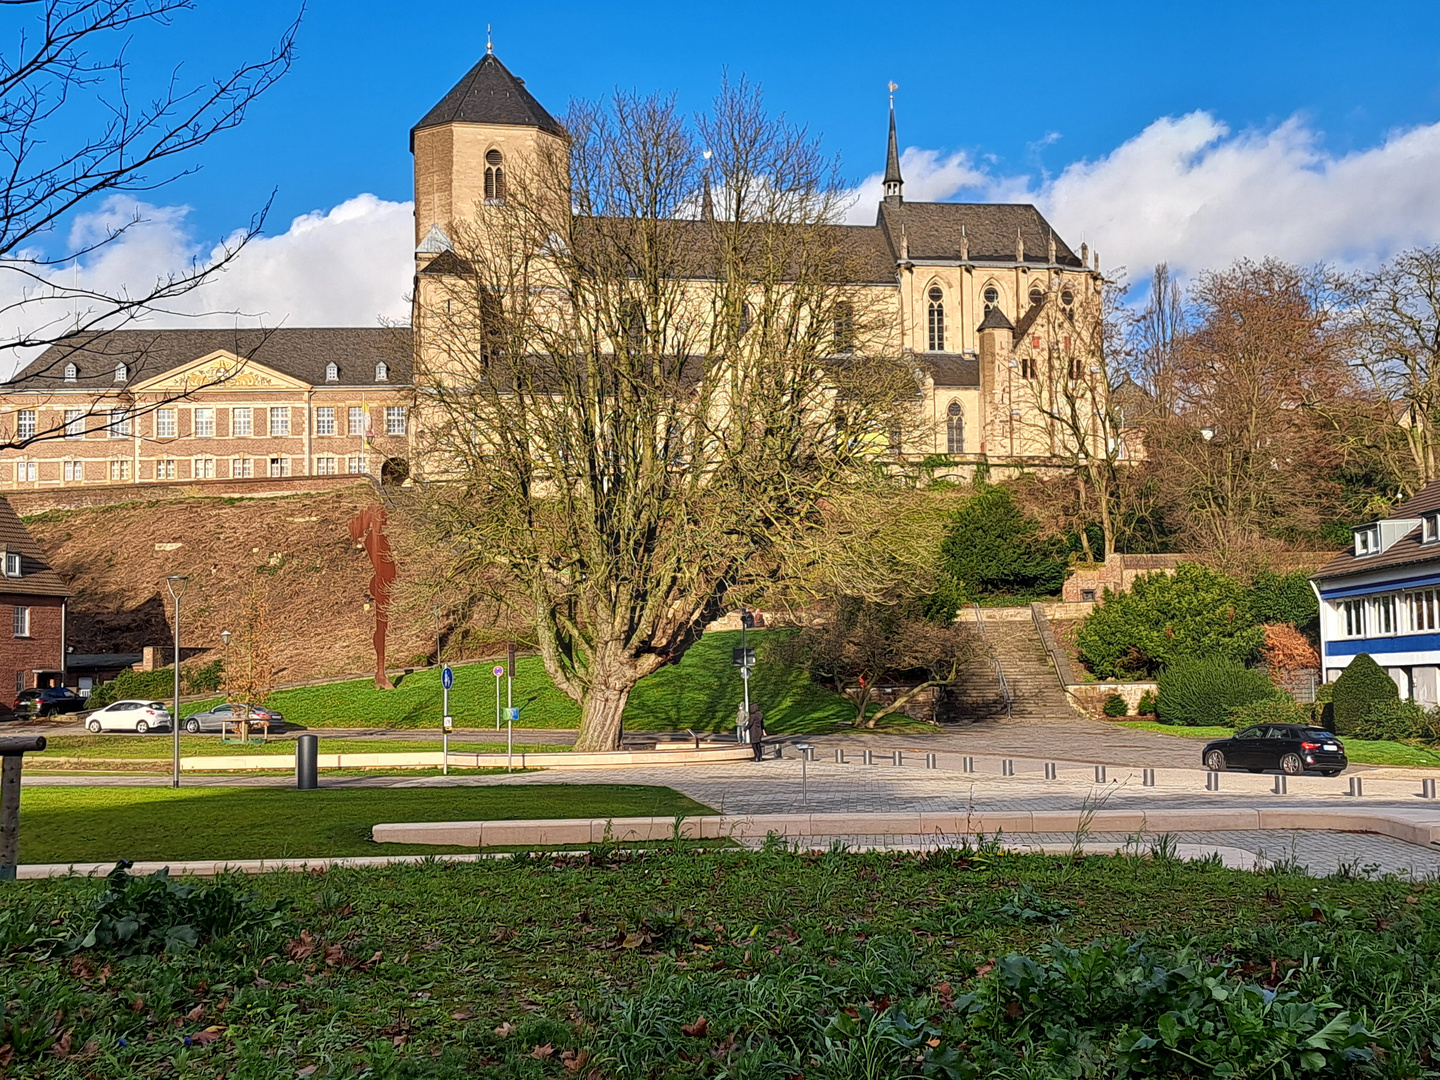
307 753
1357 786
867 757
1099 774
967 764
933 762
1007 767
1427 789
1212 781
1052 771
839 756
1147 777
1282 786
897 758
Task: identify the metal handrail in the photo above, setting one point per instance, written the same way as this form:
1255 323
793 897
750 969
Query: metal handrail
995 660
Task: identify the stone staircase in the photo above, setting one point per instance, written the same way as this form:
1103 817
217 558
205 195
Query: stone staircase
1035 692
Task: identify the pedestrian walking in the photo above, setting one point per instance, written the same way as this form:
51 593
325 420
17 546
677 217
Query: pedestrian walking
756 728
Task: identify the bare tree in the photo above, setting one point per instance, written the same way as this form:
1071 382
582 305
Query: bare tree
638 397
250 677
73 133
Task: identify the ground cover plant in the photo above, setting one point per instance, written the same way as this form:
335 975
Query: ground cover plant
103 824
964 963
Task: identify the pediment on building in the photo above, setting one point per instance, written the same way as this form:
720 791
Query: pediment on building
220 370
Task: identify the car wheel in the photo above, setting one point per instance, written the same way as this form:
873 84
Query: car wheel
1291 765
192 726
1215 761
141 727
94 725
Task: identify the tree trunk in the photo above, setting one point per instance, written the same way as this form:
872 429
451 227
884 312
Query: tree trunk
601 714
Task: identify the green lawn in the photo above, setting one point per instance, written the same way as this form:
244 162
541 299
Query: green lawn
701 692
1360 751
765 965
158 747
98 824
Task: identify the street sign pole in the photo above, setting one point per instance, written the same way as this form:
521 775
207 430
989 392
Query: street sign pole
497 671
447 680
509 705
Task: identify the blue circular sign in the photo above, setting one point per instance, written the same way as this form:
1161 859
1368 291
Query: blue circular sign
447 678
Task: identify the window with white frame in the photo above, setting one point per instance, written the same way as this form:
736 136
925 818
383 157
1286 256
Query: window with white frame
1383 609
324 466
394 419
165 424
119 423
1430 528
279 466
1422 610
74 423
119 470
355 465
357 420
382 372
165 469
242 467
332 372
1352 615
71 372
204 468
25 424
242 422
280 420
325 420
22 621
25 472
121 371
74 472
12 564
204 423
1367 540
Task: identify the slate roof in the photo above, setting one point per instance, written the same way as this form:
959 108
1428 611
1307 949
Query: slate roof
37 578
995 320
892 154
1407 549
300 352
952 369
933 231
489 94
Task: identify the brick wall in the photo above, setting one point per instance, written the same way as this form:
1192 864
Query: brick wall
41 650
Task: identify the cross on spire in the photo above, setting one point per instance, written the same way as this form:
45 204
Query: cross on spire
489 45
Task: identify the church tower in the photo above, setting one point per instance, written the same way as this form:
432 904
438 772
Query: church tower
479 137
893 182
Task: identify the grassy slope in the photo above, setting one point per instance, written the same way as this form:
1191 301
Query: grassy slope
1360 751
98 824
701 692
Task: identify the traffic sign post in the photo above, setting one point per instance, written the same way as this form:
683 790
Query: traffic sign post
511 713
447 680
497 671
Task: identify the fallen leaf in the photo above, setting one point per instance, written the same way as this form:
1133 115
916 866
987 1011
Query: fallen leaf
985 968
197 1013
505 1029
261 984
206 1037
575 1060
540 1053
698 1029
308 1070
1412 900
634 940
61 1047
463 1014
302 946
334 954
400 1040
1013 1010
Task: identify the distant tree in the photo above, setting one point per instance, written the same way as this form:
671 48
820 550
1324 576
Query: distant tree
1287 651
249 676
991 548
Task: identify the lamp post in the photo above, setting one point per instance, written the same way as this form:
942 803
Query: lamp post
225 641
176 584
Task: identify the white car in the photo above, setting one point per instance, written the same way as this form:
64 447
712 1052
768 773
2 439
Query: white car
137 716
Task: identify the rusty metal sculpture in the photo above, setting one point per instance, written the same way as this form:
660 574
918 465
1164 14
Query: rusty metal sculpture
369 529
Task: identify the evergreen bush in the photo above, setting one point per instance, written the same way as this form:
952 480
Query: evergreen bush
1201 692
1272 710
1358 689
1394 720
1115 706
1146 705
158 684
991 548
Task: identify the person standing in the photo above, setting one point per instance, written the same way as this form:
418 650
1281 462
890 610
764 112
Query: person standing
742 722
757 729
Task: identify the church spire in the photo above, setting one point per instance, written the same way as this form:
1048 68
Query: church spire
893 182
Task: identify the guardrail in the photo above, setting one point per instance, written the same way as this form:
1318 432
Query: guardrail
1058 660
994 660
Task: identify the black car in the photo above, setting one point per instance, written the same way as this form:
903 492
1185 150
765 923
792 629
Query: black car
1291 748
49 701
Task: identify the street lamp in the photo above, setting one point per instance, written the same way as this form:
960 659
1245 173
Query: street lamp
225 641
176 584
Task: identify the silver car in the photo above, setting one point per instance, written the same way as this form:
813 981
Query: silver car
226 716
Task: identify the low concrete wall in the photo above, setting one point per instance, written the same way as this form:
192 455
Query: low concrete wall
433 759
1092 696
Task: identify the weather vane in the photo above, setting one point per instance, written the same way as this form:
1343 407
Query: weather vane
893 87
489 46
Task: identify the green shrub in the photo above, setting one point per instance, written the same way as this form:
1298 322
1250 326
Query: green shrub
992 549
1201 692
1322 713
1115 706
1196 613
159 684
1272 710
1359 688
1146 705
1393 720
1285 598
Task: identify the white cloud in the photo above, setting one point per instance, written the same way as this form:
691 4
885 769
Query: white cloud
1189 191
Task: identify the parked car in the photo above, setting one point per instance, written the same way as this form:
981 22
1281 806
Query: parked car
1292 749
216 719
137 716
49 701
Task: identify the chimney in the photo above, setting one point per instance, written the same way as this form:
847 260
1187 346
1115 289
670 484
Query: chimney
964 245
1019 246
1052 247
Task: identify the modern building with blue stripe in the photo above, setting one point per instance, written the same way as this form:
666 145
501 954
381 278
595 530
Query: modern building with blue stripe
1382 597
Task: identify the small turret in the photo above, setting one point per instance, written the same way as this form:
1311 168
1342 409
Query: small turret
1019 247
893 180
964 245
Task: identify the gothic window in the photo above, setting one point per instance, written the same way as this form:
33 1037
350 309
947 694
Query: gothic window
844 327
494 176
332 372
991 296
1076 367
954 429
1036 294
937 319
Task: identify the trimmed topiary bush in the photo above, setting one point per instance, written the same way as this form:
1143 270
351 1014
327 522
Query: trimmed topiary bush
1201 693
1359 688
1115 706
1146 705
1272 710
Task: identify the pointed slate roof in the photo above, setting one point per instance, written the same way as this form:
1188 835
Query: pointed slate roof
489 94
995 320
892 155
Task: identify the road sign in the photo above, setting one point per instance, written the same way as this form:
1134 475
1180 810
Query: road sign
512 714
447 678
743 657
497 671
449 723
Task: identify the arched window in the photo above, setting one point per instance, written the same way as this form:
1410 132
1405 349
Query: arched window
332 372
120 372
745 318
991 296
494 176
1037 294
382 372
937 319
71 373
954 429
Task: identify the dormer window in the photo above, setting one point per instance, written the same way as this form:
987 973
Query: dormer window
120 372
382 372
1367 540
332 372
1430 528
12 564
71 372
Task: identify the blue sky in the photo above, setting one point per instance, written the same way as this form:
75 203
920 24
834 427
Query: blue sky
1191 132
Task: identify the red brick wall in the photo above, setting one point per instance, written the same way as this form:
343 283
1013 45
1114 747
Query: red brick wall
42 649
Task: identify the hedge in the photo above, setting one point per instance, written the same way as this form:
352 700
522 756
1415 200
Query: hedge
1201 693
